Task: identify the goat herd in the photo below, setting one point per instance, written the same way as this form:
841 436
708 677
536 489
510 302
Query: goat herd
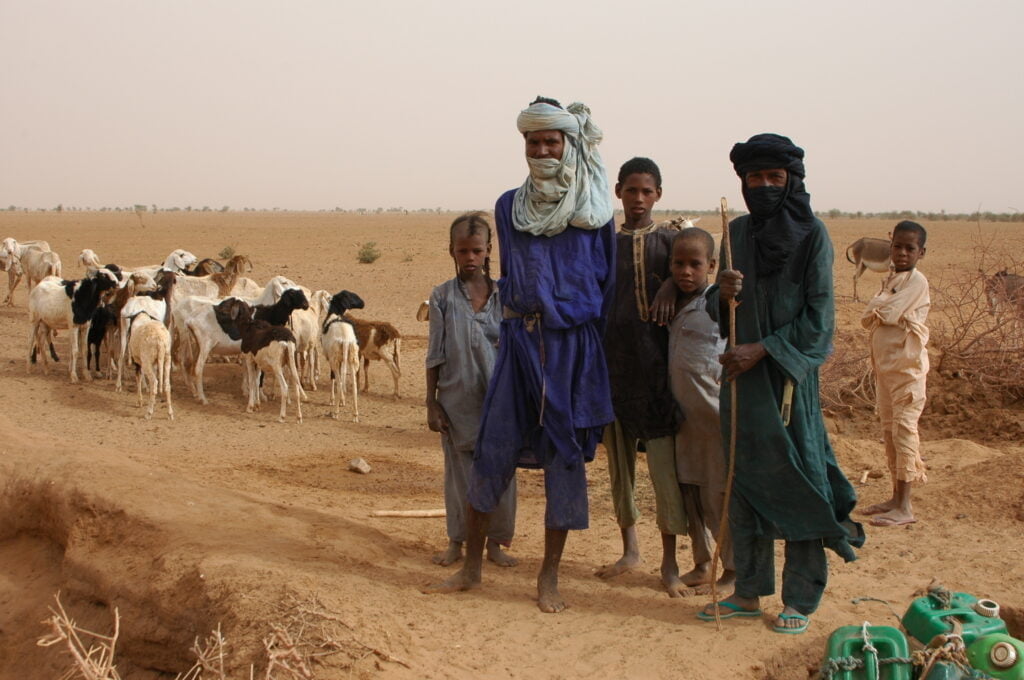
186 311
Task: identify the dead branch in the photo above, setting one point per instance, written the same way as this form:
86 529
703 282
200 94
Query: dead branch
975 339
408 513
846 380
95 662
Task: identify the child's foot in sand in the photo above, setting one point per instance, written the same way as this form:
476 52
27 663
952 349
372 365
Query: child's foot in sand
549 600
893 518
625 563
698 576
879 508
451 555
498 556
461 580
674 585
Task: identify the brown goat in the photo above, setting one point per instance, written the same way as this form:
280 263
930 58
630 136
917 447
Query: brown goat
380 341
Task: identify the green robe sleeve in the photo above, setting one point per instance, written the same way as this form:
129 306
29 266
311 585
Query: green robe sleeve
802 344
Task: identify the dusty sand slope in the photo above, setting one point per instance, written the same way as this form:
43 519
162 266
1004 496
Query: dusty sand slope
221 516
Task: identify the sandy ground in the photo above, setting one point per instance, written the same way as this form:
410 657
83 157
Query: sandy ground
223 517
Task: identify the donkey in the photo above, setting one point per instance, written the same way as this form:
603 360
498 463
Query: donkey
868 253
1004 291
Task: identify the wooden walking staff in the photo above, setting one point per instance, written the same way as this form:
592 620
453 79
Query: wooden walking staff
723 525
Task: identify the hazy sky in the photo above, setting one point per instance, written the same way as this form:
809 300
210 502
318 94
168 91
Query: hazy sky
912 104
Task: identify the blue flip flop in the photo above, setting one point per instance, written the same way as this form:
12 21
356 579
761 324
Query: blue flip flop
732 610
792 630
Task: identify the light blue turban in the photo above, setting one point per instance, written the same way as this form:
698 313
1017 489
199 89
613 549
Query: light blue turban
572 191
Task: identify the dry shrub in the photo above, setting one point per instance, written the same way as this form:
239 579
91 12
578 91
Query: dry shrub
304 636
92 654
973 339
368 252
846 379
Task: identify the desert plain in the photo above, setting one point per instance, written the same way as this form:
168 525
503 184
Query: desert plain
233 520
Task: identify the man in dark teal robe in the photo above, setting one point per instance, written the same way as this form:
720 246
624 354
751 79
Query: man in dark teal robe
787 483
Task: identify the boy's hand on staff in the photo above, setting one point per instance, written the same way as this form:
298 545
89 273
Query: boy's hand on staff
437 419
741 358
730 284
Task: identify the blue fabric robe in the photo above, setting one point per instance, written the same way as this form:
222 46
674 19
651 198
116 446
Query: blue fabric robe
788 475
568 279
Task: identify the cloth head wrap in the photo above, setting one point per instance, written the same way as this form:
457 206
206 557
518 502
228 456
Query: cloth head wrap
767 151
572 191
779 233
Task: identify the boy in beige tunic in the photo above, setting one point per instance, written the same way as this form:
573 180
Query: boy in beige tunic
896 318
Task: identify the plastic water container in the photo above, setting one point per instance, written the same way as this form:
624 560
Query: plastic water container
848 641
998 655
925 618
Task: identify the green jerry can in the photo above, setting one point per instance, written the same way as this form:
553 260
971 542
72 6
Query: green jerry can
998 655
847 643
928 616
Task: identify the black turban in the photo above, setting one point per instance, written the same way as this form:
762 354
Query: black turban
776 235
766 151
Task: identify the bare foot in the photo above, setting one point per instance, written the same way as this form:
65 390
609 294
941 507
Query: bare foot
673 585
893 518
879 508
627 562
698 576
549 600
461 580
498 556
451 555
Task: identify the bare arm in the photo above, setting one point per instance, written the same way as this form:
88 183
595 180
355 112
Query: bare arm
437 419
663 306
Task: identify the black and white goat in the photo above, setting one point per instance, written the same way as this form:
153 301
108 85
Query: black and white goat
341 349
57 304
267 348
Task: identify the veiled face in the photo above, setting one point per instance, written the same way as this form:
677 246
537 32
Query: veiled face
771 177
545 144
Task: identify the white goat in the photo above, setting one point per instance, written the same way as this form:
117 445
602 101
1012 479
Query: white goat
133 308
38 264
11 252
271 292
305 325
12 266
89 259
246 289
150 350
179 260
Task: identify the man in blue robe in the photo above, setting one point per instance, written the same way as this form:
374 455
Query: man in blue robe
548 400
787 482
